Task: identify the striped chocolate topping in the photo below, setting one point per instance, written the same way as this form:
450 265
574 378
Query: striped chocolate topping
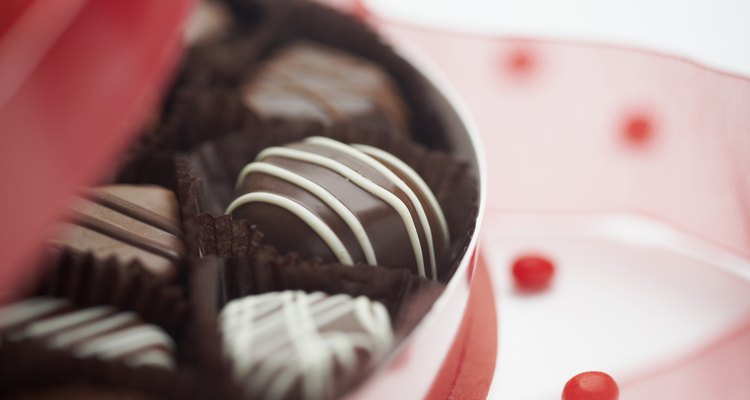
293 345
99 332
365 204
129 222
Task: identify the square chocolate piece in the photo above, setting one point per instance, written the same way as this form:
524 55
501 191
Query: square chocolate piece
315 83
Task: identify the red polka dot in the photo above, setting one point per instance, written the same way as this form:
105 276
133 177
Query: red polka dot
520 62
638 128
592 385
532 272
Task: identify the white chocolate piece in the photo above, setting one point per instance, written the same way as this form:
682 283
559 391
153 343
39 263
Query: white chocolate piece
282 341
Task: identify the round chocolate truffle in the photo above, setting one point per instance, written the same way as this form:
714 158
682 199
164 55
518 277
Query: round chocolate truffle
345 203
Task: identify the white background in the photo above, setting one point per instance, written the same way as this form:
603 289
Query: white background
716 33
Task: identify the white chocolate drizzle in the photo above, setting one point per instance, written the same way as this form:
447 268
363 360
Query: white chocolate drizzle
311 219
393 178
100 332
414 176
364 183
324 195
285 340
387 166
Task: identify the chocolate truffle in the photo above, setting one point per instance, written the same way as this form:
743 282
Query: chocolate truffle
293 345
99 332
306 81
129 222
343 203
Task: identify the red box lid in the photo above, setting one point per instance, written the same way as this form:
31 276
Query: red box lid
76 79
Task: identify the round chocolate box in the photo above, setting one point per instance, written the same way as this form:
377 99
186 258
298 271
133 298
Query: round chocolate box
326 189
304 188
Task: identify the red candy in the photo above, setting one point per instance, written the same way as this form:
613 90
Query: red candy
592 385
532 272
638 129
519 62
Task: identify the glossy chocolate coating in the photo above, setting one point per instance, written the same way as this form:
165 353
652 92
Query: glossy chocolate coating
294 345
312 82
342 202
129 222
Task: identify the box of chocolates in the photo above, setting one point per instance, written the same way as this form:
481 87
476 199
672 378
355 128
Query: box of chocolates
296 219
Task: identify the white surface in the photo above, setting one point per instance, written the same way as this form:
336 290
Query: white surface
716 33
631 297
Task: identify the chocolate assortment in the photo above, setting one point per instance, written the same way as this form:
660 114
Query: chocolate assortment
282 226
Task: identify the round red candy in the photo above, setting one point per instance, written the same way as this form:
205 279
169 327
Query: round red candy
592 385
532 272
520 61
638 128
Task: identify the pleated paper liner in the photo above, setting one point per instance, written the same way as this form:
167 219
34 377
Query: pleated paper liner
202 344
207 177
206 102
202 85
265 271
206 234
80 391
28 369
89 281
27 365
147 167
308 20
215 281
223 52
153 168
144 166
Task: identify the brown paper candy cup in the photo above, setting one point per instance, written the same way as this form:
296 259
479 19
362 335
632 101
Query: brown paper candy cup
206 102
207 178
86 281
214 282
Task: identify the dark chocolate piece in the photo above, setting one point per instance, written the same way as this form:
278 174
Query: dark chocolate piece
347 204
315 83
128 222
293 345
99 332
